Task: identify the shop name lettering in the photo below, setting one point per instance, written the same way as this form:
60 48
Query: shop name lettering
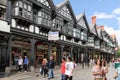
22 44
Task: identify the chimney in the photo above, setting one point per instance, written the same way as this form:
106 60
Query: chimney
102 27
93 19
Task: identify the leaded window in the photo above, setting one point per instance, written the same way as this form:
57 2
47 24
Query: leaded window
83 35
68 29
76 33
2 13
23 9
57 24
90 41
44 18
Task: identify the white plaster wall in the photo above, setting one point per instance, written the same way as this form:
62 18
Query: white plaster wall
4 26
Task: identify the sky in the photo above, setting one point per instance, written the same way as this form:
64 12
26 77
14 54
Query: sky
106 11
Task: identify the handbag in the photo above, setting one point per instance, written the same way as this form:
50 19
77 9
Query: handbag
40 70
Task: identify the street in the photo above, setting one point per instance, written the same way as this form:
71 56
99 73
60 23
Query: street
79 74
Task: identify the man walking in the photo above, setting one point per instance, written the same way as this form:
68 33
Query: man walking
51 64
26 63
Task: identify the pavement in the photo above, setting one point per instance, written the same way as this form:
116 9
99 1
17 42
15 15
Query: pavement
79 74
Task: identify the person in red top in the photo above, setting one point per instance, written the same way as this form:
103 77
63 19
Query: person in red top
62 69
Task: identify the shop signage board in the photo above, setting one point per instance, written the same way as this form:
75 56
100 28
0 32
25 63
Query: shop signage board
20 44
53 35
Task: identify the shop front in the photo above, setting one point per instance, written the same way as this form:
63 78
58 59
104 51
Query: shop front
43 51
19 47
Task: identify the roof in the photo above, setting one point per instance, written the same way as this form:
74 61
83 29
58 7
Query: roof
62 3
78 17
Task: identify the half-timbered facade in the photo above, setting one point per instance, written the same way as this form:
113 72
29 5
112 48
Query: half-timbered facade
25 27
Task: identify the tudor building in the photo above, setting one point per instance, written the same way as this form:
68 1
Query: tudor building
24 28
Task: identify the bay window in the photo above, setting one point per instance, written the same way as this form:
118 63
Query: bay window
91 41
83 35
23 9
57 24
44 18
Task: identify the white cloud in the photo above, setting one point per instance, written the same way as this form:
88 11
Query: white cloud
115 15
112 31
116 11
103 15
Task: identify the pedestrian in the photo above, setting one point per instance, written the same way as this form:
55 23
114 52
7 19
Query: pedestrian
26 61
69 69
105 69
45 67
20 63
97 70
62 69
91 62
116 76
75 64
41 68
51 64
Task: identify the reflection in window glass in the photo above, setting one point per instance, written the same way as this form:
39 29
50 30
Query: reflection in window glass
29 8
25 6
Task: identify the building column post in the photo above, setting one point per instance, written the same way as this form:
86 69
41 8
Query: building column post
32 60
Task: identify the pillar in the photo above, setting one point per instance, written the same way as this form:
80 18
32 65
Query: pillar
61 53
78 60
71 52
7 70
49 50
32 58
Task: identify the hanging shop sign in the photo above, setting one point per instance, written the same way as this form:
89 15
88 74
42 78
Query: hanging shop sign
20 44
53 35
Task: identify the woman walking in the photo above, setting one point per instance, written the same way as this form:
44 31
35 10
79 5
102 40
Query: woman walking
69 69
20 63
105 69
97 70
45 67
62 69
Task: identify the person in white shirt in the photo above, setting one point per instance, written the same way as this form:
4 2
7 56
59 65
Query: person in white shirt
69 69
20 63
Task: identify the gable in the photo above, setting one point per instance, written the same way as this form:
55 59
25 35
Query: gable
93 29
99 31
45 2
82 23
65 11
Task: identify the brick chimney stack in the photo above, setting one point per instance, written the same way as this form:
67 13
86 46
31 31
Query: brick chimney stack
93 19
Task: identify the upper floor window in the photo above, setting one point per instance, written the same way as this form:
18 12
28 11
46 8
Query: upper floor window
68 28
23 9
76 33
57 24
2 13
97 42
83 35
44 18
